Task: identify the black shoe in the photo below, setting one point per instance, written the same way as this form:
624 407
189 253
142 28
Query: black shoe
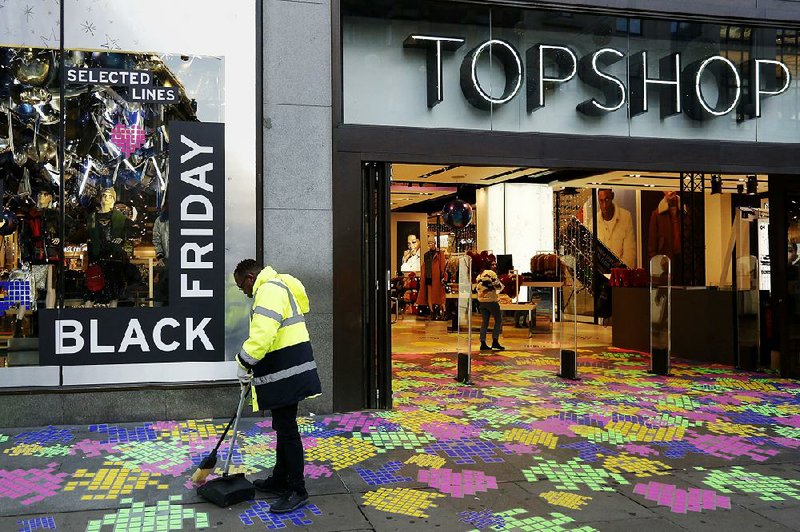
268 485
497 347
289 503
484 347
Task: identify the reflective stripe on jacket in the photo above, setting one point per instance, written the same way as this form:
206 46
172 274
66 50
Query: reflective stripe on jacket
278 349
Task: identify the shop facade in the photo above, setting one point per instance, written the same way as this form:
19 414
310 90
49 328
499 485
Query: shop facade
122 218
549 87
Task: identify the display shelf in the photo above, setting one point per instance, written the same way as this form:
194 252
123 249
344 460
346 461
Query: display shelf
148 261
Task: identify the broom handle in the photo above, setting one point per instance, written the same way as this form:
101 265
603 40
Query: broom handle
224 433
227 428
245 392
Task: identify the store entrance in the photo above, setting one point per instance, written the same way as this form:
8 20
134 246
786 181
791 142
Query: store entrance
503 220
558 246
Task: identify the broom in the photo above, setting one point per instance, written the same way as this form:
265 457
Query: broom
210 462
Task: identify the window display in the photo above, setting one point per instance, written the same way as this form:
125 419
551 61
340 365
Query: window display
104 236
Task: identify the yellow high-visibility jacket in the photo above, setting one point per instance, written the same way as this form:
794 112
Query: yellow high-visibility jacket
278 349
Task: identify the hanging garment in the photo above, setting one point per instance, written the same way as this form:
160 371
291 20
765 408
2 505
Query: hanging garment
431 289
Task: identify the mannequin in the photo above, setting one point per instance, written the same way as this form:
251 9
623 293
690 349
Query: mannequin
43 237
431 290
108 233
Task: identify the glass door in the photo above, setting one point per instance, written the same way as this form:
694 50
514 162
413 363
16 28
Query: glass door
378 337
791 322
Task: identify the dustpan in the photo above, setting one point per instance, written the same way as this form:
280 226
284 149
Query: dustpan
228 490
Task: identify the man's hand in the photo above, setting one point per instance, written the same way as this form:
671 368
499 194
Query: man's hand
244 376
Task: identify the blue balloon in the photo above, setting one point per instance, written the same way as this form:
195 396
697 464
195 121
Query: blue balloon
25 110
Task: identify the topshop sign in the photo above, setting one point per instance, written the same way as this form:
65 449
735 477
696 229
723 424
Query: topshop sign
681 88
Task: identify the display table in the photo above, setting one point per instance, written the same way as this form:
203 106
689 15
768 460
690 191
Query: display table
530 308
693 310
554 286
542 284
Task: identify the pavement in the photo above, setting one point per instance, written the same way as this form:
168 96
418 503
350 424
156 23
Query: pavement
708 447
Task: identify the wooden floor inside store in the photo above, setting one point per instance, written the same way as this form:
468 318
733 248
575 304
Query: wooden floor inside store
411 334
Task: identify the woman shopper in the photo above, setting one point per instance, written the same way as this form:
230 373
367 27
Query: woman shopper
489 287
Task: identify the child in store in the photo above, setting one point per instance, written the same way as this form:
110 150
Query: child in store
488 287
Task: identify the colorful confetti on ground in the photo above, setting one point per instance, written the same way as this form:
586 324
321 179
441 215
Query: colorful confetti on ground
680 500
567 500
29 486
457 484
619 429
384 475
37 523
260 510
163 516
514 520
112 481
568 476
765 487
402 501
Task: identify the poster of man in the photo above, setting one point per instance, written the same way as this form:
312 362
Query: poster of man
615 227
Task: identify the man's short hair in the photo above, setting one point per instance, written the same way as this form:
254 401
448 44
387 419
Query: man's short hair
599 190
246 266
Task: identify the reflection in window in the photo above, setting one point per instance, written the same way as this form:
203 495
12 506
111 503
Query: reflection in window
107 242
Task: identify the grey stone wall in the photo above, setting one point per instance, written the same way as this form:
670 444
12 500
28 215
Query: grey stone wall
122 404
297 164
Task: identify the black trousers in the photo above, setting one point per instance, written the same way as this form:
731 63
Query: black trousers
491 309
289 463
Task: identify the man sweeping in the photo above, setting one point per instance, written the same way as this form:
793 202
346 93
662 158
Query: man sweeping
278 362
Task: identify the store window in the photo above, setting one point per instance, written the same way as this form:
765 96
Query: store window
127 179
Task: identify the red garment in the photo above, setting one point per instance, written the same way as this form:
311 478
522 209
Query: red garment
664 234
675 218
432 294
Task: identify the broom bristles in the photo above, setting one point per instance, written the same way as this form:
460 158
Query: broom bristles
200 475
205 468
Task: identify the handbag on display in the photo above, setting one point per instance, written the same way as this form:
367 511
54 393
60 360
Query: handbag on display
95 280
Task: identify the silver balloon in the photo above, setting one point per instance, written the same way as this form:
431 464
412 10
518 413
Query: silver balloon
100 168
35 95
5 145
32 69
49 116
75 58
53 172
41 152
20 158
151 64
